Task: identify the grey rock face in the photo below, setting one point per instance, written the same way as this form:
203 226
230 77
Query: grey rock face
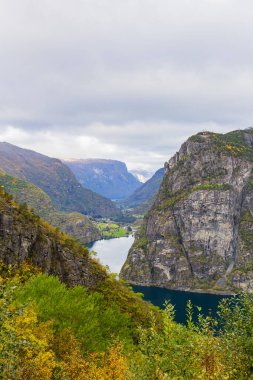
22 238
199 233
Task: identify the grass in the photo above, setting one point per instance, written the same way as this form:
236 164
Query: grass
234 143
112 230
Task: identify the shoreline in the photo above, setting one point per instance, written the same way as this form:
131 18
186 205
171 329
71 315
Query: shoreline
90 244
188 290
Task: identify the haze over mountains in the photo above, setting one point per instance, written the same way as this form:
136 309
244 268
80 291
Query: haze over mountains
56 179
51 189
208 165
197 235
109 178
143 197
142 175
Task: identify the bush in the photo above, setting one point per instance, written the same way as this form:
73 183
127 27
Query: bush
93 322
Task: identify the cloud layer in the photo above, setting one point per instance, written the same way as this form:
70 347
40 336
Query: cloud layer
123 79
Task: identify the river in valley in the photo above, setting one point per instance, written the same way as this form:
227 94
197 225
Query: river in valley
113 253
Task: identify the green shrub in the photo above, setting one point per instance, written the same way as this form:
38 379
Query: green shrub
89 316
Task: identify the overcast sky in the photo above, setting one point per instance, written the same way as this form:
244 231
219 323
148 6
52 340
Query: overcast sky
123 79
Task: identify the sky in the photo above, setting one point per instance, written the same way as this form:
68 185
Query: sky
123 79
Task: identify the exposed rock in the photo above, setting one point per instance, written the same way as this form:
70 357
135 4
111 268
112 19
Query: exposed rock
24 237
199 232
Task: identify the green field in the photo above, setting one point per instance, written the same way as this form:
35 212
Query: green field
112 230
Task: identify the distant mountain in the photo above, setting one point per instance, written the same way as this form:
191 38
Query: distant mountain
75 224
142 198
109 178
142 175
56 180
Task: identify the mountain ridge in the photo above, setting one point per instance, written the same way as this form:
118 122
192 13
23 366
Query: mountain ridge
56 179
75 224
142 199
198 233
107 177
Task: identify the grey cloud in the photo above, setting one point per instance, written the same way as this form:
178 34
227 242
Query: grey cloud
138 144
138 76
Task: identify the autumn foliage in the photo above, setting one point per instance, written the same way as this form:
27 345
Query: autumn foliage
83 341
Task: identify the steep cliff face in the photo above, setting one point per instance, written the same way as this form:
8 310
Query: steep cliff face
199 232
23 236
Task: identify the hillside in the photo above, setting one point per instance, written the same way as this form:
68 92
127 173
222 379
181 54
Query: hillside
56 180
24 237
75 224
75 321
142 199
198 234
109 178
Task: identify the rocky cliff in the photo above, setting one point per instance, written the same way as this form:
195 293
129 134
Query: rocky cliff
25 237
199 232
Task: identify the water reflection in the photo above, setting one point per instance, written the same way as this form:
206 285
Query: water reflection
113 252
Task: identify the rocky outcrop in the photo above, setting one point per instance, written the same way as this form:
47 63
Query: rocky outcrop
199 232
24 237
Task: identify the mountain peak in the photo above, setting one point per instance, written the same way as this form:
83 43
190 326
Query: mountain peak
198 234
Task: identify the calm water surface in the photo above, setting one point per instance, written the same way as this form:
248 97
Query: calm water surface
157 296
113 252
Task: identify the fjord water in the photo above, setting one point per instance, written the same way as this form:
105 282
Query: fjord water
113 253
158 296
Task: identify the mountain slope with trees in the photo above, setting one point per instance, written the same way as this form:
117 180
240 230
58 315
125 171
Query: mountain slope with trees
56 180
86 325
75 224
